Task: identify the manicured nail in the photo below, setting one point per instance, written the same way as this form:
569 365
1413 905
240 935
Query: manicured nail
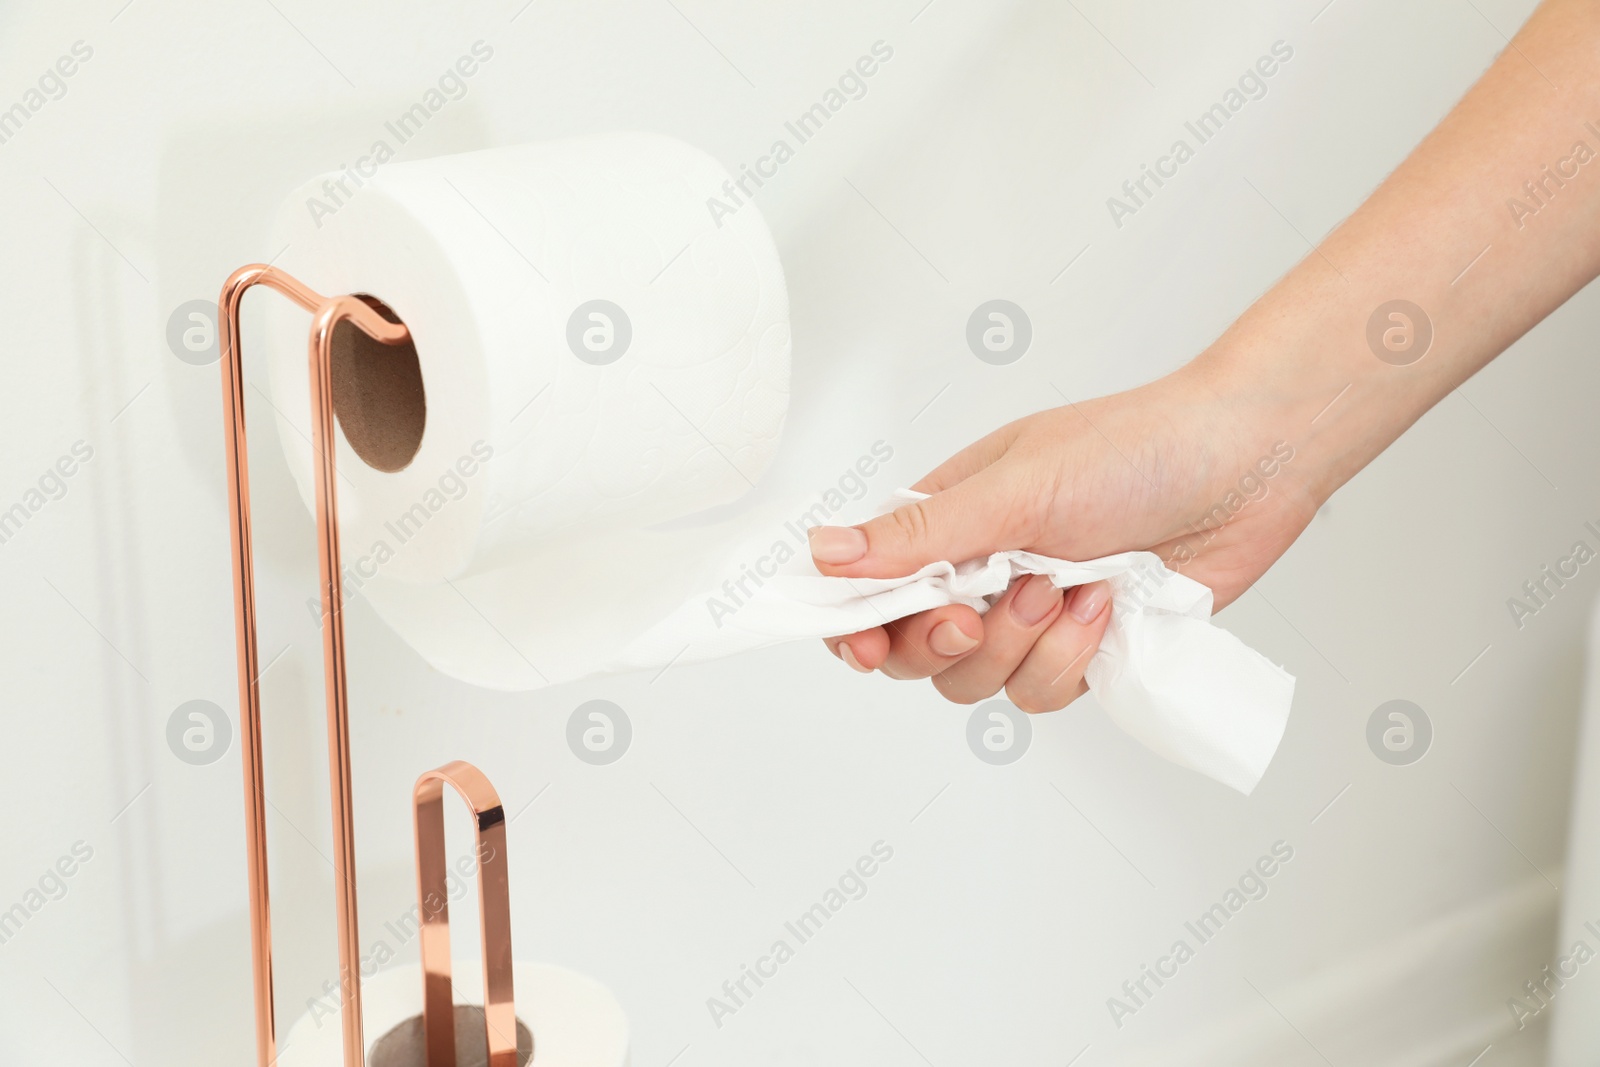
1087 601
837 545
850 658
948 639
1036 599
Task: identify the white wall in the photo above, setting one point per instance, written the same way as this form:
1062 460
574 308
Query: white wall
1022 897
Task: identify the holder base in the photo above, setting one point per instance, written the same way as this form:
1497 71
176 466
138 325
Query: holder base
406 1046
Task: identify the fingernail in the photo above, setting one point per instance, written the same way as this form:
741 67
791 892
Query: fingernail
1036 599
1087 601
948 639
850 658
837 544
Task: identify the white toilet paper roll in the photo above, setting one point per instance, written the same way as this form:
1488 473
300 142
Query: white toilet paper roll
597 353
560 434
575 1021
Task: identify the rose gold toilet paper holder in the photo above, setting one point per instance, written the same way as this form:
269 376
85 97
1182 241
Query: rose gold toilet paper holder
467 780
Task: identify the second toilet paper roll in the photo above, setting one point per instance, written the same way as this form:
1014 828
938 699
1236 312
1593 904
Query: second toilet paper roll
594 352
575 1021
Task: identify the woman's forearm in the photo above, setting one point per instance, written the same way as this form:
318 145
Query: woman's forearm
1489 225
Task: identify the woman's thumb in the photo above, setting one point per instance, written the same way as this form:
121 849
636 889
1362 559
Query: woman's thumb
964 521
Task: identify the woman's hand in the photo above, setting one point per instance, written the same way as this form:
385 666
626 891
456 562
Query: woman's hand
1171 467
1432 277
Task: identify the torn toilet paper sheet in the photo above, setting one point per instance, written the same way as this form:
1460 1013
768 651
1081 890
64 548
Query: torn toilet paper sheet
1185 688
1188 690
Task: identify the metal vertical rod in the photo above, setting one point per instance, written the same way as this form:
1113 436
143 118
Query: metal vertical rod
328 313
494 912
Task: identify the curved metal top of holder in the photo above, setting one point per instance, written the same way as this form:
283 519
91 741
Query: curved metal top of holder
494 907
327 313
